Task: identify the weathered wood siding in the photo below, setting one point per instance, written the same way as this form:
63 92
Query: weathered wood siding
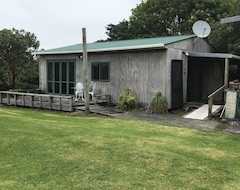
194 44
43 68
145 72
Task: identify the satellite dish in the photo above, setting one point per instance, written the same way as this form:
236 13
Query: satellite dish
201 29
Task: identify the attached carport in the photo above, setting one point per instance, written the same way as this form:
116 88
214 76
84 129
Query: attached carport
207 72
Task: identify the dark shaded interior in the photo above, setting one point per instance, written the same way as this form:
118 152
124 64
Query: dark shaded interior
205 75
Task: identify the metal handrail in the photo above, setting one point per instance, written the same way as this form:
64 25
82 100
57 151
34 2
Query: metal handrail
210 100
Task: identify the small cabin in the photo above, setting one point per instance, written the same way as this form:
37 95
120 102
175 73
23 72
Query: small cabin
183 68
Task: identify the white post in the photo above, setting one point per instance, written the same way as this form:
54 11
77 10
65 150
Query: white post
226 72
226 76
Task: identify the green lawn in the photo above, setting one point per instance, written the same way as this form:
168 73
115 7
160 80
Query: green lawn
51 150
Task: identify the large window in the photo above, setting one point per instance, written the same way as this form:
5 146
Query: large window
100 71
61 77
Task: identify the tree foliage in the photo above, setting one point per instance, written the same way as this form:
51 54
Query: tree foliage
17 64
156 18
226 37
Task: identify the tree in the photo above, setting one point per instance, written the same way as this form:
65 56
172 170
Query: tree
156 18
226 37
119 31
17 63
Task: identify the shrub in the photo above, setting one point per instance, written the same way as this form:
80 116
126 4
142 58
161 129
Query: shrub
127 101
159 103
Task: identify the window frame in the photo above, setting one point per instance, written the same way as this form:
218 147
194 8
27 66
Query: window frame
100 71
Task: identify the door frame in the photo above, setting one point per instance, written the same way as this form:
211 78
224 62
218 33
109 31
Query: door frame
177 83
56 83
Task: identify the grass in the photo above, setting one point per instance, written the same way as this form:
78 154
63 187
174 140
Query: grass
51 150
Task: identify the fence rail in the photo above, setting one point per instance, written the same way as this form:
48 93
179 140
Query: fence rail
210 100
45 101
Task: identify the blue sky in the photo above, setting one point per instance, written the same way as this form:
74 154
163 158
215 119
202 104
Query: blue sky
58 23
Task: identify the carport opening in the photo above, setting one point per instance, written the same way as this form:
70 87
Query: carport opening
205 75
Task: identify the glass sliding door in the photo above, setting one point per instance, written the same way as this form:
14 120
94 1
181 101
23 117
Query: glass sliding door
61 77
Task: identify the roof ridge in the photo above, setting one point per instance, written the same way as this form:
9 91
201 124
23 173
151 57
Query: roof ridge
141 43
137 39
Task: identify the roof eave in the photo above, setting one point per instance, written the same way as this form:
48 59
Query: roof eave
211 55
236 57
151 46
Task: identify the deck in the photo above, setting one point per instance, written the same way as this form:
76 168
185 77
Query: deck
54 102
45 101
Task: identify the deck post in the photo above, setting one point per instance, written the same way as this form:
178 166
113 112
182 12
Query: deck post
71 104
50 102
8 99
0 97
210 103
23 100
60 103
31 101
15 99
40 101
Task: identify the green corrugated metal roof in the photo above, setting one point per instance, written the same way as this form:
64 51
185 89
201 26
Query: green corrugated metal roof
119 45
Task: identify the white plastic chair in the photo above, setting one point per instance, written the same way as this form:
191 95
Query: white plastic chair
92 86
79 91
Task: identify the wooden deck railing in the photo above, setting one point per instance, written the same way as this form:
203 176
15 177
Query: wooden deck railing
210 100
45 101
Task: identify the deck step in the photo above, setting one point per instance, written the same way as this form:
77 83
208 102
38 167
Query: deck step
108 111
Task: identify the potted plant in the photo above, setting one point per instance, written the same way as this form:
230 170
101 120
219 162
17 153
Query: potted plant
234 84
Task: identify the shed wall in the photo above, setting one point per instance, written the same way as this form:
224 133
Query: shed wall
194 44
43 68
145 72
